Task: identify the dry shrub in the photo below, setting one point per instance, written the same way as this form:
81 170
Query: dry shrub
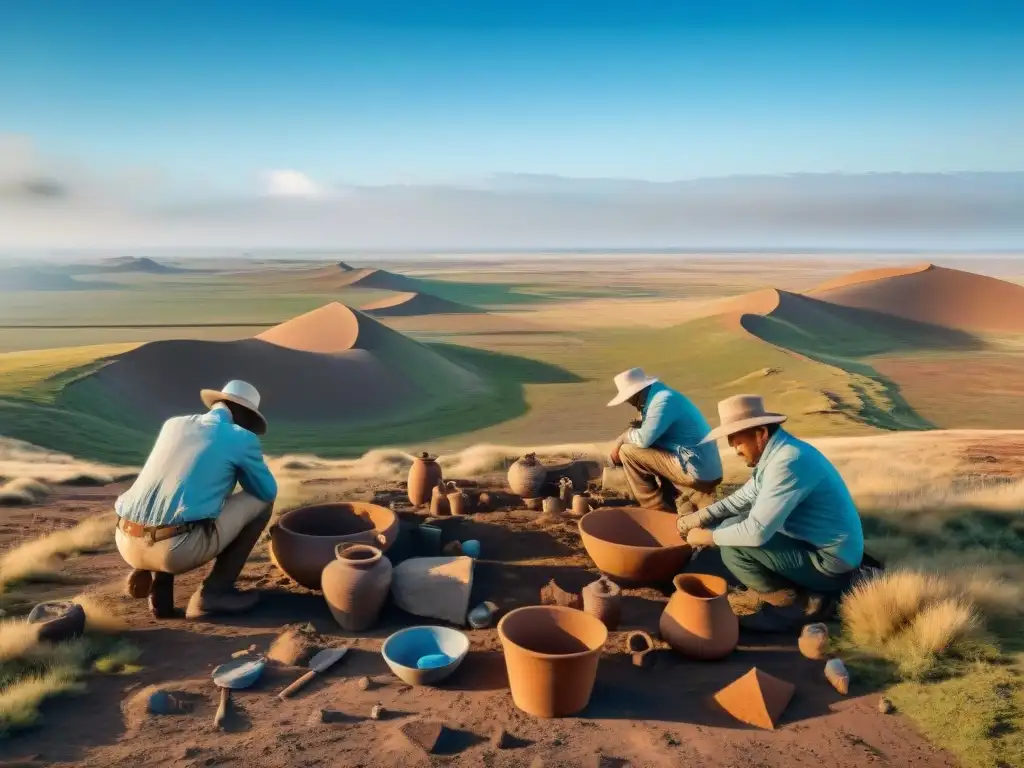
40 558
20 700
99 619
22 491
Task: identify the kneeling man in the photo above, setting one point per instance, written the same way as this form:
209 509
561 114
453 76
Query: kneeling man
791 534
180 513
666 465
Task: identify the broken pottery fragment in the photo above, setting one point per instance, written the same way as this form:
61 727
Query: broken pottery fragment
533 504
481 616
837 674
553 506
602 598
435 587
757 698
580 505
813 642
639 644
552 594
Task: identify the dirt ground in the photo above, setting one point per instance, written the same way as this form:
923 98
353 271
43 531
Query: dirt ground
661 715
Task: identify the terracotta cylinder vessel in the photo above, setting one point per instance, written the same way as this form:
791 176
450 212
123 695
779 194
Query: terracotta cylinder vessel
698 620
356 585
424 474
551 655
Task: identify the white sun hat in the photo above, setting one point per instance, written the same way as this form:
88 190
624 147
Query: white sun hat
739 413
629 383
240 393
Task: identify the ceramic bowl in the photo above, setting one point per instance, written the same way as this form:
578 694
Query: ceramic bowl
633 544
403 649
303 541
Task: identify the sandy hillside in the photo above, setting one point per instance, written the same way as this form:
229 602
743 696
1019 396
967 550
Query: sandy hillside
932 294
407 304
332 362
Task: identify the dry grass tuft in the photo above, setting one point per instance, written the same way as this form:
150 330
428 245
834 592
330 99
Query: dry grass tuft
22 491
40 559
20 700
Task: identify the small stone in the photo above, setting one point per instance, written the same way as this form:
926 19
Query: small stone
364 683
499 738
244 651
332 716
191 752
885 706
161 703
377 712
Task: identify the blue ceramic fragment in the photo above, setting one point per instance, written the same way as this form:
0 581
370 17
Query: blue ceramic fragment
471 548
433 661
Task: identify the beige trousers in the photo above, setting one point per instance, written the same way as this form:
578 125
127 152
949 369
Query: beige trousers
657 481
241 521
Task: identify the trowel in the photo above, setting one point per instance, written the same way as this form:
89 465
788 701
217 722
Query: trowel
321 662
234 675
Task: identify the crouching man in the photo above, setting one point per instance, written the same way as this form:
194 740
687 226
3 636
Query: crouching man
791 534
666 467
180 513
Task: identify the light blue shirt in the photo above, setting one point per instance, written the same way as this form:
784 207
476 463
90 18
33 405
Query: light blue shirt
674 424
795 491
192 470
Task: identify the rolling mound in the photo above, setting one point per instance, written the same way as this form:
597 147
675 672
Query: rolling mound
25 279
868 275
409 304
332 363
341 275
935 295
137 264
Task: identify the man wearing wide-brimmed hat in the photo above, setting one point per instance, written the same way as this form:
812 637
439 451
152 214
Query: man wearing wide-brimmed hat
791 534
666 467
180 512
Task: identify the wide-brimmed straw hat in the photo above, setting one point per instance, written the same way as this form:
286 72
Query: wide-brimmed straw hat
739 413
240 393
629 383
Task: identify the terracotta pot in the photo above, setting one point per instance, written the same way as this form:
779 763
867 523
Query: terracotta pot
424 474
602 598
633 544
458 501
698 620
302 542
580 505
551 655
439 501
553 506
813 642
356 585
526 476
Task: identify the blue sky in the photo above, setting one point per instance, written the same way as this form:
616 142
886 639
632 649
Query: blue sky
217 94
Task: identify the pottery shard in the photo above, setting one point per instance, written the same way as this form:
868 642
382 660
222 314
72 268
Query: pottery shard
813 642
424 734
838 676
757 698
552 594
435 587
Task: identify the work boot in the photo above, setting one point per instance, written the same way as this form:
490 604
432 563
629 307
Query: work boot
204 601
789 617
744 601
139 583
161 596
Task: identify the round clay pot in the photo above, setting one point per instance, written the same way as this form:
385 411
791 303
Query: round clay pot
580 505
698 620
602 598
303 541
424 474
551 655
553 506
526 476
633 544
356 584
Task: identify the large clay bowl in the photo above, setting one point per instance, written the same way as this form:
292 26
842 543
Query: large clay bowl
404 648
551 655
637 545
303 541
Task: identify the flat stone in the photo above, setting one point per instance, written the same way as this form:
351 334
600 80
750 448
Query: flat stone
334 716
424 734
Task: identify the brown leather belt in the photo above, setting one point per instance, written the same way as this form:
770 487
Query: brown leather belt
153 533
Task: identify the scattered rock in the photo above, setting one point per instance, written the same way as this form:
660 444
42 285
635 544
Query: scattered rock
377 712
837 674
294 647
424 734
885 706
813 642
333 716
499 738
191 752
244 651
163 703
364 683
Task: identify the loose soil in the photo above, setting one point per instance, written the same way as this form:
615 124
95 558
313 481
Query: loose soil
659 715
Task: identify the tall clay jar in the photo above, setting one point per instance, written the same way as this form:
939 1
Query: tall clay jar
424 474
356 585
698 620
526 476
602 598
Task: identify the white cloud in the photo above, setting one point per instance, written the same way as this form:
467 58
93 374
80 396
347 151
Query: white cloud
287 183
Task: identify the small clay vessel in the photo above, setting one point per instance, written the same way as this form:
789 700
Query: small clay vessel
565 492
837 674
638 645
534 504
458 501
813 642
552 594
484 502
356 585
551 656
602 598
424 474
698 620
580 505
439 501
553 506
526 476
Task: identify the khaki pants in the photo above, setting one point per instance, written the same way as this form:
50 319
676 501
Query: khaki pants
657 481
229 539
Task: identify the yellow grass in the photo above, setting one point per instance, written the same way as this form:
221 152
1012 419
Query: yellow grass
19 459
40 559
23 491
20 701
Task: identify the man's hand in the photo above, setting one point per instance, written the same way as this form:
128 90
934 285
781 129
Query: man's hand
615 454
699 537
687 523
